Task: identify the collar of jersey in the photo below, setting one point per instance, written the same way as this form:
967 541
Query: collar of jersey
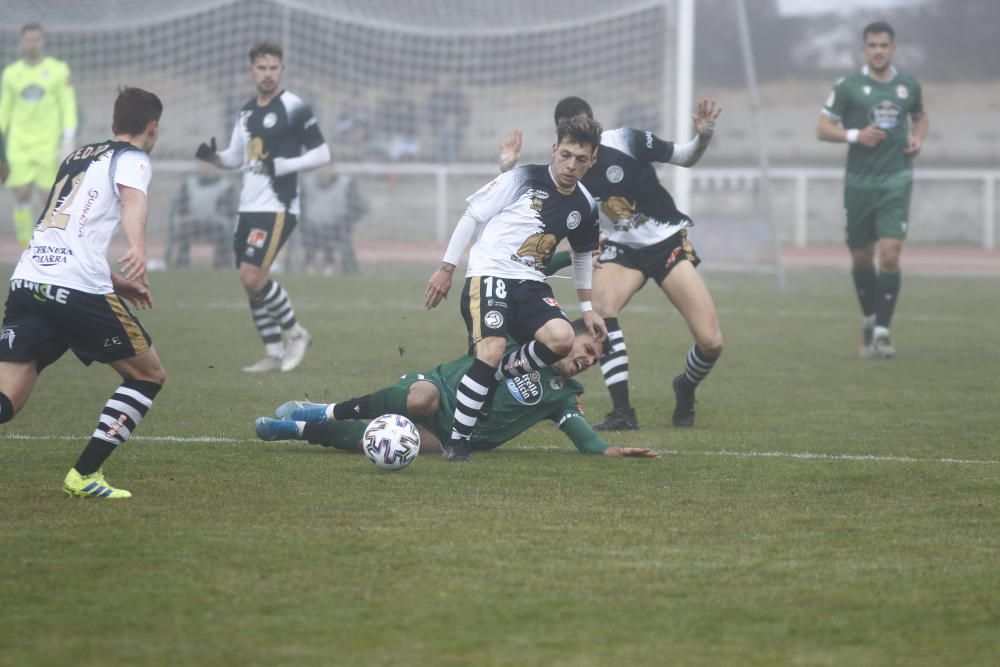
895 72
561 190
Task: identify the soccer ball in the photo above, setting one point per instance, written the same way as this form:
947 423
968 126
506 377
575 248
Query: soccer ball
391 442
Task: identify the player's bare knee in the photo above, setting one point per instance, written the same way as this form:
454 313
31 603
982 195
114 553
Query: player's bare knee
422 400
711 346
490 350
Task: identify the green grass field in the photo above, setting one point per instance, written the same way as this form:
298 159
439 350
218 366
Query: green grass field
823 511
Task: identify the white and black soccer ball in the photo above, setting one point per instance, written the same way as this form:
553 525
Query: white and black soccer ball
391 442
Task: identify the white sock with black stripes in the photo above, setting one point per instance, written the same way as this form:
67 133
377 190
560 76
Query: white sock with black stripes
472 393
614 365
279 305
532 356
697 365
119 419
267 326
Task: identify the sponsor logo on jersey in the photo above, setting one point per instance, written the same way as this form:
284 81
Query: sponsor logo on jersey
608 253
649 140
32 93
885 115
8 335
526 389
82 222
615 174
46 255
552 302
557 383
42 292
622 214
270 120
257 238
493 319
901 92
573 220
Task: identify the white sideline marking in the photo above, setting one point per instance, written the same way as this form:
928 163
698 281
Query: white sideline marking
672 452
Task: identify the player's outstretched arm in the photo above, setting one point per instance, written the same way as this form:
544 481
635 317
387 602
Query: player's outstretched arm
687 155
588 442
632 452
208 152
510 150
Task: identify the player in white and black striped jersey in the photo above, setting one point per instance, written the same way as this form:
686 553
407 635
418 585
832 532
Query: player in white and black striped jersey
275 137
646 239
523 214
64 295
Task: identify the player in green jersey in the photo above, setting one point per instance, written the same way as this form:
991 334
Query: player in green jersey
38 122
428 398
869 110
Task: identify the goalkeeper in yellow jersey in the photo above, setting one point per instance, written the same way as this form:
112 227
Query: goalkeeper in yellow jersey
38 122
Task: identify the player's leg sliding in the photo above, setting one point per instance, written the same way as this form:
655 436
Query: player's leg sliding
697 365
271 430
119 419
614 366
866 284
472 392
888 291
391 400
270 334
339 435
296 339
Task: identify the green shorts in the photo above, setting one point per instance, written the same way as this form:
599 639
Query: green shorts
25 169
876 213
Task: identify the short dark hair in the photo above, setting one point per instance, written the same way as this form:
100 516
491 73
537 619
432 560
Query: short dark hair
571 107
266 48
579 130
28 27
135 109
877 28
580 327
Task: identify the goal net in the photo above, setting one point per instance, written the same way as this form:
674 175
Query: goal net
413 96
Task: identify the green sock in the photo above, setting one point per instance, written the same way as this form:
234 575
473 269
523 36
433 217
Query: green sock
342 435
866 284
23 224
888 287
391 400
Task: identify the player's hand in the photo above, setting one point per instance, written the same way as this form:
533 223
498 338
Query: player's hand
133 265
632 452
595 324
138 295
704 118
207 152
510 150
871 136
594 256
438 286
4 172
913 146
